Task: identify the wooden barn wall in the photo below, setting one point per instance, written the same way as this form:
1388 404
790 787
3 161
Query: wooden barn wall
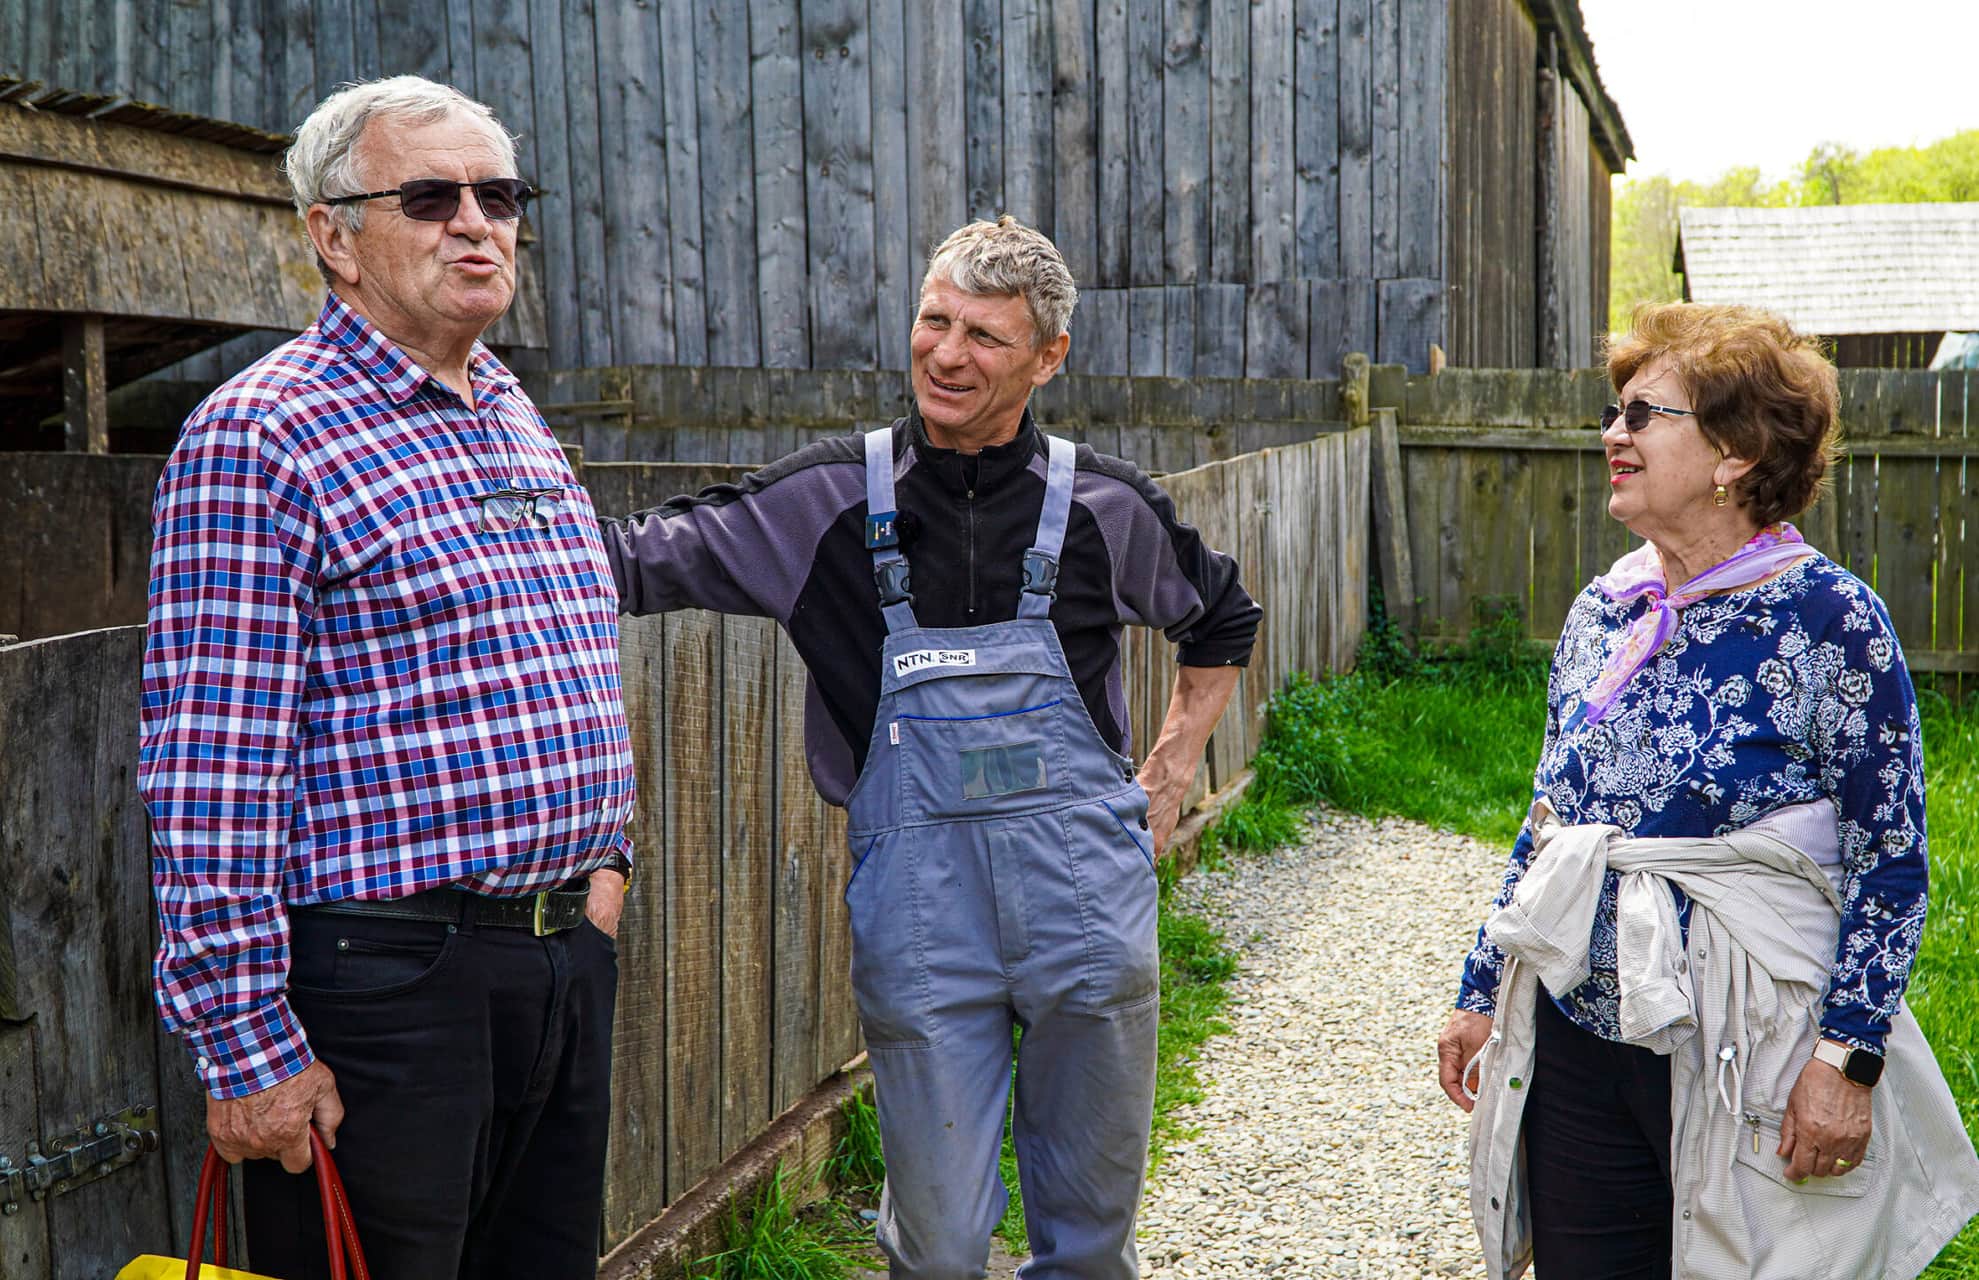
1577 231
1241 187
1493 101
1600 218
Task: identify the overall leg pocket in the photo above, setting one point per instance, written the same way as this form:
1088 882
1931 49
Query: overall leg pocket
1113 867
889 944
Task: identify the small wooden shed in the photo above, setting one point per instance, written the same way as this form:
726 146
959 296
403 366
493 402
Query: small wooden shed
1883 282
132 237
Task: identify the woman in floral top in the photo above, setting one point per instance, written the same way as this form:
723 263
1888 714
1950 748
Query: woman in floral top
1723 673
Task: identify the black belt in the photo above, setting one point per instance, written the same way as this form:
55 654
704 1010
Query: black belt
551 911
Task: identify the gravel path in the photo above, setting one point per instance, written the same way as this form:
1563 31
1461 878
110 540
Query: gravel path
1325 1147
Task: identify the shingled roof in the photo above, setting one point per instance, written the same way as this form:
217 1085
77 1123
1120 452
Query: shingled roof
1839 269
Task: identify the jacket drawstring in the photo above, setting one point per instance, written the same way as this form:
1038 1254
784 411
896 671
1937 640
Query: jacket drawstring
1728 1057
1476 1064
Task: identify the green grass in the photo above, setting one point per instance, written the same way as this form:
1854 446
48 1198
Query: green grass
770 1240
1944 990
857 1164
1449 743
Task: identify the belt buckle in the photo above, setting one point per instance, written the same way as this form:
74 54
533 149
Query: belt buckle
536 920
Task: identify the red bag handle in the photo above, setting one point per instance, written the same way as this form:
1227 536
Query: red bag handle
339 1227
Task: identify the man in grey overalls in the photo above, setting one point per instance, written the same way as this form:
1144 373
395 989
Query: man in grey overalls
956 585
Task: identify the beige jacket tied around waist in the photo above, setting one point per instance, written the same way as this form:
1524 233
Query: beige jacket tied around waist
1737 1011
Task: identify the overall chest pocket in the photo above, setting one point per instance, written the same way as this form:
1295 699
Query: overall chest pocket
974 766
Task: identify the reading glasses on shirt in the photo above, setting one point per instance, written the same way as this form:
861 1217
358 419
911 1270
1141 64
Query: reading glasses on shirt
438 199
507 509
1635 415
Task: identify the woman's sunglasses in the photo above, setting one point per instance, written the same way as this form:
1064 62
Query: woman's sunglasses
1635 415
438 199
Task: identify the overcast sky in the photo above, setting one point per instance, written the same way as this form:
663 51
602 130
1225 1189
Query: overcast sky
1704 85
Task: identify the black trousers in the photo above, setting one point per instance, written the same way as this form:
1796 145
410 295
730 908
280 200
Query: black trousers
474 1066
1597 1141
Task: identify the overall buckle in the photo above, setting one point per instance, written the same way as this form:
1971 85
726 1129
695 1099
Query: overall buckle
893 581
1040 574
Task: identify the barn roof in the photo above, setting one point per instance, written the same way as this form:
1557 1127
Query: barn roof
1839 269
118 109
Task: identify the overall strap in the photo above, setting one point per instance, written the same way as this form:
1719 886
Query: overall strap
1041 561
883 533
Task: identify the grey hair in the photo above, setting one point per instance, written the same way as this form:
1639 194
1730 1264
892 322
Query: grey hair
322 161
1005 258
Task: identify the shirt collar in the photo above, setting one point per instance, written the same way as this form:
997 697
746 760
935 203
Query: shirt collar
397 374
960 472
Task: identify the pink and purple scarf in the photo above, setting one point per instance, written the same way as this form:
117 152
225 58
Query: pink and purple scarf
1640 573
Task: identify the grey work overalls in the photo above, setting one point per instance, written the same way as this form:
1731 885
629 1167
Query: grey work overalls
1002 876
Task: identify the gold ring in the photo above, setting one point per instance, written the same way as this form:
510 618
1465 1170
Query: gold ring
1840 1163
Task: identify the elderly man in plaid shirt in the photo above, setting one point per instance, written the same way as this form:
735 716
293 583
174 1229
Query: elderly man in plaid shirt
384 751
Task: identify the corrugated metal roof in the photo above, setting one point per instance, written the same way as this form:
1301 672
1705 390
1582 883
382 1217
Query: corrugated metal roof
1839 269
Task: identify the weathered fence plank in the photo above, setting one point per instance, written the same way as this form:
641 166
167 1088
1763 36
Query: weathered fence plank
1185 143
894 255
1145 143
694 1067
777 94
748 863
636 1159
838 188
727 233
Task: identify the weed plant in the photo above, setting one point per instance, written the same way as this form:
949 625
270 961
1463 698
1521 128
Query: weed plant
768 1241
856 1164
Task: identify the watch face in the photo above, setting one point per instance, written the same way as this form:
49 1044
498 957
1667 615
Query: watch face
1862 1067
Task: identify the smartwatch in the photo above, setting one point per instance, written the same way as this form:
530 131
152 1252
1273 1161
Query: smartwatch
1858 1066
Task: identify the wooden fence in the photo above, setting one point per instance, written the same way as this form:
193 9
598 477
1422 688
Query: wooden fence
747 416
1507 496
734 998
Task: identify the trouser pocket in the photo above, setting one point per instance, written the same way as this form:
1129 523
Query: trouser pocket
1113 872
333 956
884 899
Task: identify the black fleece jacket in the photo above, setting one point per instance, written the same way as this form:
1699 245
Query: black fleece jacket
788 542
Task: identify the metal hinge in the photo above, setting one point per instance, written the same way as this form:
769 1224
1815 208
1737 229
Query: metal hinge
75 1159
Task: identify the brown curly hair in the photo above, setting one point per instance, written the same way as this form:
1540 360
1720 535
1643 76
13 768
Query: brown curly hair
1761 390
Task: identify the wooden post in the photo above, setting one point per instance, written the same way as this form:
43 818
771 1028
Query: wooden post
85 397
1389 504
1551 350
1354 401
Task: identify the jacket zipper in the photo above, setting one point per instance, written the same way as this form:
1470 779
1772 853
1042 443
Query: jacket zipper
972 555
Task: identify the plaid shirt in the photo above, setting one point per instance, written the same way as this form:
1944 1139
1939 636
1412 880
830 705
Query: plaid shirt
350 690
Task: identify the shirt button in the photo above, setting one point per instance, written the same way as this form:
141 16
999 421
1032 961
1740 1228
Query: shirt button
205 1065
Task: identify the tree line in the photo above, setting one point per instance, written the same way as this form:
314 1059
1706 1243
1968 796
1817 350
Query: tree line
1645 209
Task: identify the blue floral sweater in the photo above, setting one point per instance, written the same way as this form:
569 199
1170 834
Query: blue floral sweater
1790 691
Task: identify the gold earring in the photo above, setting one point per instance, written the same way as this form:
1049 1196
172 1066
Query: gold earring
1719 496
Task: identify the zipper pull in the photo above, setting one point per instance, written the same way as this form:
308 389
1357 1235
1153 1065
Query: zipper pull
1753 1121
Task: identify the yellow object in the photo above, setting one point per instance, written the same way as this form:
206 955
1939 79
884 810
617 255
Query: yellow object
153 1267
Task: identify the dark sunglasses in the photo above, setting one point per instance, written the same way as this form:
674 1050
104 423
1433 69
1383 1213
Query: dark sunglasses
1635 415
508 509
438 199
